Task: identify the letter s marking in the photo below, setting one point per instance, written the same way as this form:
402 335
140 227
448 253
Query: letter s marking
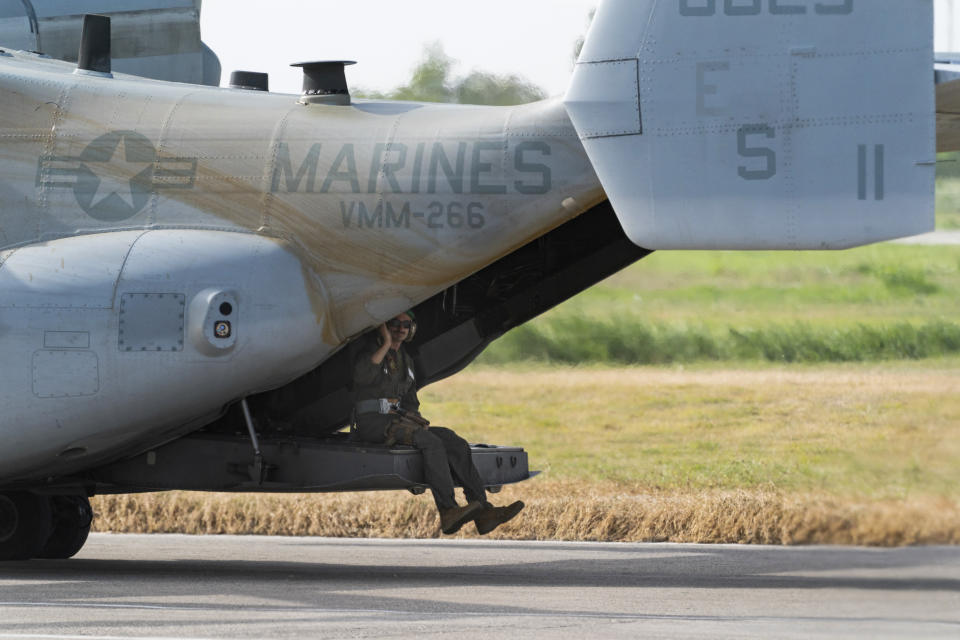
757 152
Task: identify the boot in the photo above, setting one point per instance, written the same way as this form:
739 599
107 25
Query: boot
455 517
492 517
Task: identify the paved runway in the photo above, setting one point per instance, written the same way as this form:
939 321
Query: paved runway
123 586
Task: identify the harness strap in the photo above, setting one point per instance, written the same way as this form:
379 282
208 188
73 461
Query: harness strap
377 405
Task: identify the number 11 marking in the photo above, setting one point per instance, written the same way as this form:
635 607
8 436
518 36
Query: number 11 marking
878 172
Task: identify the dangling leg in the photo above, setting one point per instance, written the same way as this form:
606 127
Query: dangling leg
461 463
436 471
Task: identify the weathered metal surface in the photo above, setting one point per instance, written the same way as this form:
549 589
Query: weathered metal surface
151 38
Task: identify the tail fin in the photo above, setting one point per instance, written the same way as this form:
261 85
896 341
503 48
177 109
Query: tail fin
761 124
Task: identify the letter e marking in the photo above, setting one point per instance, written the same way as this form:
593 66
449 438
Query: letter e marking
704 89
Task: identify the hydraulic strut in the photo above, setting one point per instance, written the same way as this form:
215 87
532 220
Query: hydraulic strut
258 470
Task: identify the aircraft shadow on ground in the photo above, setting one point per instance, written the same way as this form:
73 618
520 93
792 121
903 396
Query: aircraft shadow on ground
664 567
301 591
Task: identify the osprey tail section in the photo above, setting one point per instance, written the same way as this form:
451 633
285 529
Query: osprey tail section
761 124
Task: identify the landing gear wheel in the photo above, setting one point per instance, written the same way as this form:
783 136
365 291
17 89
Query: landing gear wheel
25 523
72 516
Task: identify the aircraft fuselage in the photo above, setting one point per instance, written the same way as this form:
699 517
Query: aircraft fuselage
137 212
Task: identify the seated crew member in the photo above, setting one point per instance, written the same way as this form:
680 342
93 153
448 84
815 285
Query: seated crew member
388 411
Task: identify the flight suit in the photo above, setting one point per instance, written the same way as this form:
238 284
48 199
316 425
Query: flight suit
445 454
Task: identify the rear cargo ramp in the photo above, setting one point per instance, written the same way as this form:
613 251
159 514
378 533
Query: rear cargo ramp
223 462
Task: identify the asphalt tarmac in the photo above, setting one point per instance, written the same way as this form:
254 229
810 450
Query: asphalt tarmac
131 586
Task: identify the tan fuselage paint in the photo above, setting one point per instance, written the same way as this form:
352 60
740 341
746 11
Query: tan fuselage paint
384 204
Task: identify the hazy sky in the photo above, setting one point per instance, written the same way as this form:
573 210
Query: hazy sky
534 38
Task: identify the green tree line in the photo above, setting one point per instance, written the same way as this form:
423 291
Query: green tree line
433 81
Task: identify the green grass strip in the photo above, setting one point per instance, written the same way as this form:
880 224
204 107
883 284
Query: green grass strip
577 340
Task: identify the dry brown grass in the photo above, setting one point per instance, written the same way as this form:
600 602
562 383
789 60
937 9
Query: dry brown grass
555 511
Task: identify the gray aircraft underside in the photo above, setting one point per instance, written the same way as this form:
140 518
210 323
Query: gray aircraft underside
170 249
